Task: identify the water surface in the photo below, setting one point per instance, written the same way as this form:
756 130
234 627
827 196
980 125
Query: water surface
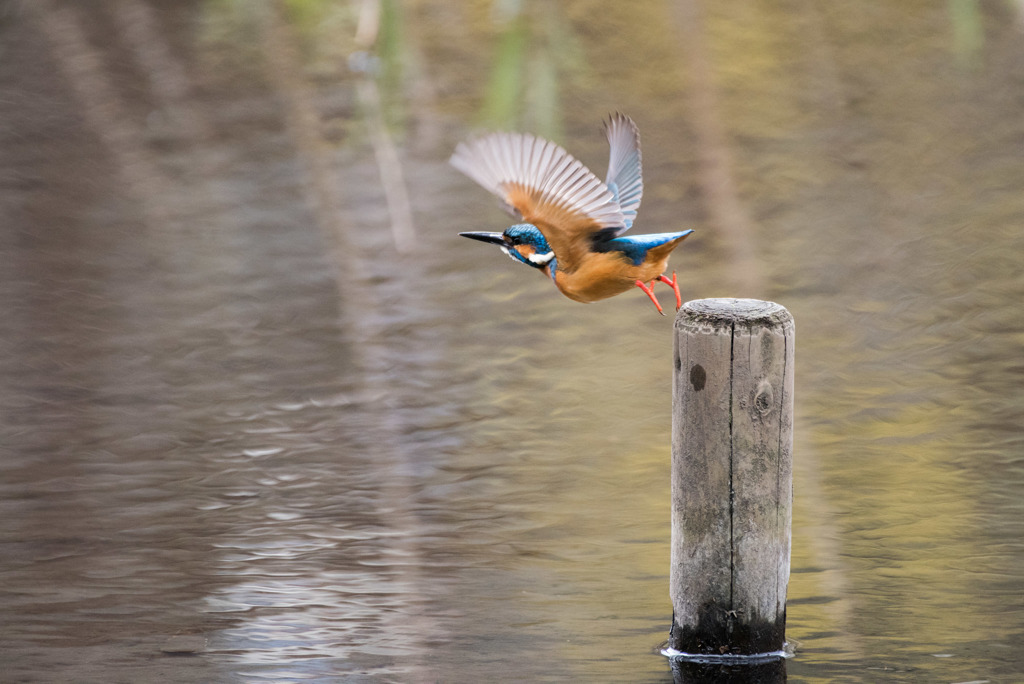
252 431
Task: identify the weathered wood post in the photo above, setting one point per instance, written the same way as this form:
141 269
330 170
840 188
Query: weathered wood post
732 477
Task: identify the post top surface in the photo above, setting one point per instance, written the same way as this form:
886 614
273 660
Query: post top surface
728 310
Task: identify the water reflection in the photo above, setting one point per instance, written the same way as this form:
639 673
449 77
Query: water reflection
232 409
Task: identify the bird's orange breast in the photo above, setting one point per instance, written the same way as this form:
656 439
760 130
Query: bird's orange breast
605 274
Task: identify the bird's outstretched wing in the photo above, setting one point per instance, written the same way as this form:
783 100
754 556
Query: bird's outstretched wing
625 177
541 183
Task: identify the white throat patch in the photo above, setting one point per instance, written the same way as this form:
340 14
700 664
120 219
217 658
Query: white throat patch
541 259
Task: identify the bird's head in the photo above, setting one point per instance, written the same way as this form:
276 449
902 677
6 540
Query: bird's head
523 242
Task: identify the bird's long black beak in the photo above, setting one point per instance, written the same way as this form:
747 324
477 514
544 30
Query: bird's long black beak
493 238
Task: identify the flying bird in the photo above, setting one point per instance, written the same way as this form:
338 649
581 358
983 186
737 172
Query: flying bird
571 224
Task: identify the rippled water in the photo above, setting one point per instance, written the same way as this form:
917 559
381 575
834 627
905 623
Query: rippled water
244 438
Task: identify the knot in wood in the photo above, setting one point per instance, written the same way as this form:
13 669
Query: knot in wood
764 398
698 377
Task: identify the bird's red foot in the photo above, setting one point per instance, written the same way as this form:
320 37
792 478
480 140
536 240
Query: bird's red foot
675 288
649 291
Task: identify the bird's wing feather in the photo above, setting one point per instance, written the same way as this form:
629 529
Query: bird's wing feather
638 248
541 183
625 176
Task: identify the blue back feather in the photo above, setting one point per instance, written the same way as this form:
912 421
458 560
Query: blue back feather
635 247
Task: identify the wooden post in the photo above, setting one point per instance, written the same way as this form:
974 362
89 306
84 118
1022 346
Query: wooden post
732 477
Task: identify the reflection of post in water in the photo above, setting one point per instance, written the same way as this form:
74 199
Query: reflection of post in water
389 53
523 88
772 672
169 84
102 107
389 165
323 182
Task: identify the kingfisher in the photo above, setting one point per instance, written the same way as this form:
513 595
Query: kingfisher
570 223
